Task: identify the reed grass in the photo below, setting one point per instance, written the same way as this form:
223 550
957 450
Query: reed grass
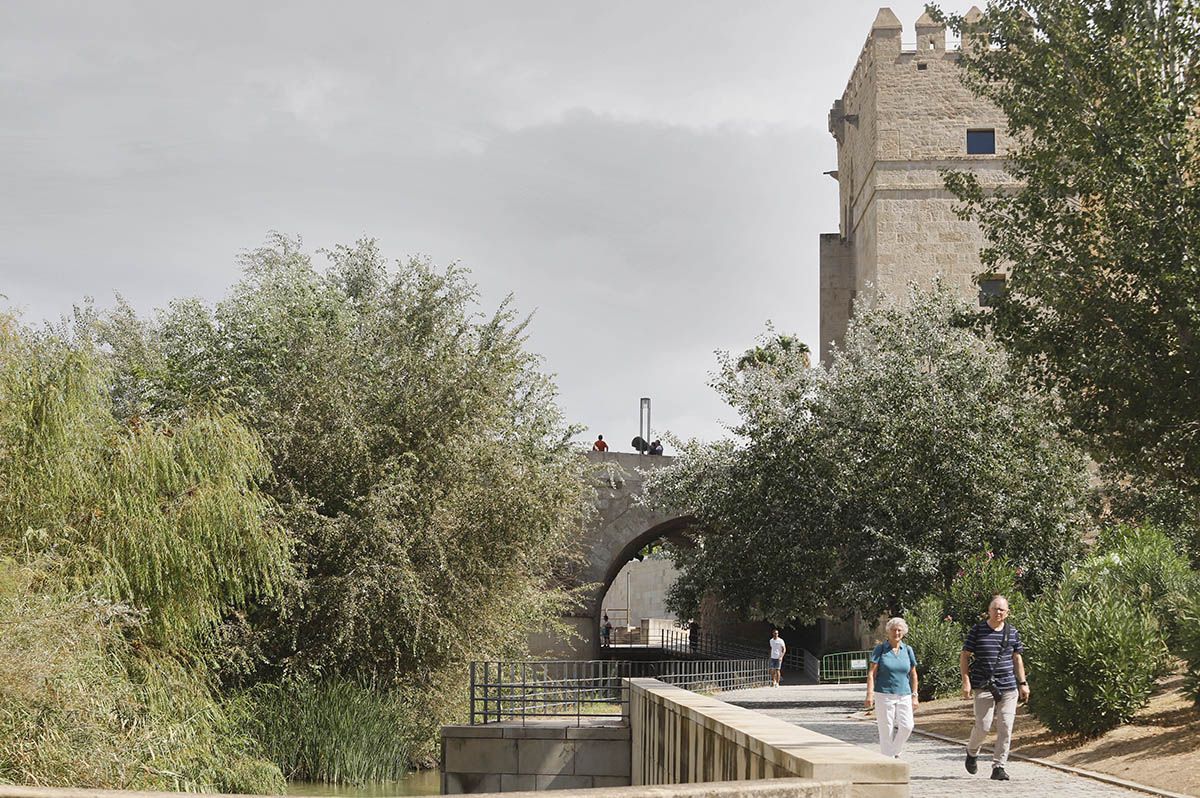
83 706
345 730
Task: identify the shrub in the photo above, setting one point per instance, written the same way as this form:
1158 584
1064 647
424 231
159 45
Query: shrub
1188 609
1092 655
937 642
82 707
981 577
1148 567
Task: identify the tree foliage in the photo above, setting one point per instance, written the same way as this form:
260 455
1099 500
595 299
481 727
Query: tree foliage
415 448
1101 236
164 517
864 485
122 547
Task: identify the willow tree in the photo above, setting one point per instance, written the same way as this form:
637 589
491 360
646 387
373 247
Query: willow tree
415 446
123 548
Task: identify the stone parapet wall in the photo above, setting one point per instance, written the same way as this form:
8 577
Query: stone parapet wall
538 755
775 788
684 737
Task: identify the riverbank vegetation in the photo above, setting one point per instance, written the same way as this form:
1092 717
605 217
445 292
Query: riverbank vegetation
298 513
122 545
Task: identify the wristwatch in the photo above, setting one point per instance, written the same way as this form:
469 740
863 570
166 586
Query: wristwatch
1023 684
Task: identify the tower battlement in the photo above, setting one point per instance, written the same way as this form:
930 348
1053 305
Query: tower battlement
904 116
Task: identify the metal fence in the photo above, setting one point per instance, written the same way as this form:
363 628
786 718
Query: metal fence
844 666
593 688
715 646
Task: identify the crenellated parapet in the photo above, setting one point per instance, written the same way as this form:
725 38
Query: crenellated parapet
905 117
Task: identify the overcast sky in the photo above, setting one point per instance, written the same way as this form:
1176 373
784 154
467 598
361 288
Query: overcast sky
646 177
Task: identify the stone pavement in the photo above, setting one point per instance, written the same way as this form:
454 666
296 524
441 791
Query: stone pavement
936 767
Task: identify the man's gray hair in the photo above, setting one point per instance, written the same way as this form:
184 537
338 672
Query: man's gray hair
996 598
898 623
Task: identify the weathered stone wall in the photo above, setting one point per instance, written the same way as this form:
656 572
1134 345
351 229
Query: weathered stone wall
683 737
903 118
514 757
617 532
641 588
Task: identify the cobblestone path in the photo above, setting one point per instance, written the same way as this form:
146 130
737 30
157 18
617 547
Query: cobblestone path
936 768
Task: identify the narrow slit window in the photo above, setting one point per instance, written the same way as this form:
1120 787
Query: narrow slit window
981 142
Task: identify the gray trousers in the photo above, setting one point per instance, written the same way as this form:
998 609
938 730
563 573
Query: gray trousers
1003 711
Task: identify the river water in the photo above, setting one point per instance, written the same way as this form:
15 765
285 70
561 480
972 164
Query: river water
419 782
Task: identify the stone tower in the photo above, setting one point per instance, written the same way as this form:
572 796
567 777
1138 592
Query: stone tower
904 116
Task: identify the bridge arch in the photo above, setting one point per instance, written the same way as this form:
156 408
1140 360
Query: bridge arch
618 531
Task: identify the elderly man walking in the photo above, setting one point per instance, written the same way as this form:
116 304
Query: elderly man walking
992 669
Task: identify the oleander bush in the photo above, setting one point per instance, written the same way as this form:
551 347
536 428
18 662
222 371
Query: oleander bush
1092 654
981 577
937 642
1149 567
1187 608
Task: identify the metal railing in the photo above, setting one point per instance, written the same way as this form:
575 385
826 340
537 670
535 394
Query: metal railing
546 689
715 646
845 666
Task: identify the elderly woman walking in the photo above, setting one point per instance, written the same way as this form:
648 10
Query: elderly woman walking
892 688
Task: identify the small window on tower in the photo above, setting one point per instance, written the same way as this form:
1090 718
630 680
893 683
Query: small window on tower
981 142
991 288
922 67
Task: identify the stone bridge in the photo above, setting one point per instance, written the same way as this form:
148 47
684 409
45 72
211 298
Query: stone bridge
613 536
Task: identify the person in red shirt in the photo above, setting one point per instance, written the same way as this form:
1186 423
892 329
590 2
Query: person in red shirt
599 445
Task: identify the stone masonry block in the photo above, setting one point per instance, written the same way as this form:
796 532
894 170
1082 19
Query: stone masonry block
564 782
458 783
602 758
546 757
480 755
535 732
610 781
598 733
517 782
473 731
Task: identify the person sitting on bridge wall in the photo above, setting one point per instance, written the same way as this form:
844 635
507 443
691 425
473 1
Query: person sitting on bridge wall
599 445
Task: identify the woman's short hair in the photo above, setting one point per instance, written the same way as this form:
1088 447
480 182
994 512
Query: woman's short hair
898 623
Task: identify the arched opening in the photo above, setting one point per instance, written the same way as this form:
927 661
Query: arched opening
632 595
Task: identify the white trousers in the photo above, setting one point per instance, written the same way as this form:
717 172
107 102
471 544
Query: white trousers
894 715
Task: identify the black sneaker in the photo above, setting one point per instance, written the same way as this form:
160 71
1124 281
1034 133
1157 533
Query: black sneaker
998 773
972 765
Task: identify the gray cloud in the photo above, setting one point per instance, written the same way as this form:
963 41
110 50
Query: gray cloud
645 176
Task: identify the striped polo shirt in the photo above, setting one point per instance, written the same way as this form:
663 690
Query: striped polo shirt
984 642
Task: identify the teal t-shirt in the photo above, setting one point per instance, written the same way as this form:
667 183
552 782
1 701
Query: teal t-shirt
894 666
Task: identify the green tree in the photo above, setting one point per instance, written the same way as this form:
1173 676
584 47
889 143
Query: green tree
864 485
123 547
415 447
1101 236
